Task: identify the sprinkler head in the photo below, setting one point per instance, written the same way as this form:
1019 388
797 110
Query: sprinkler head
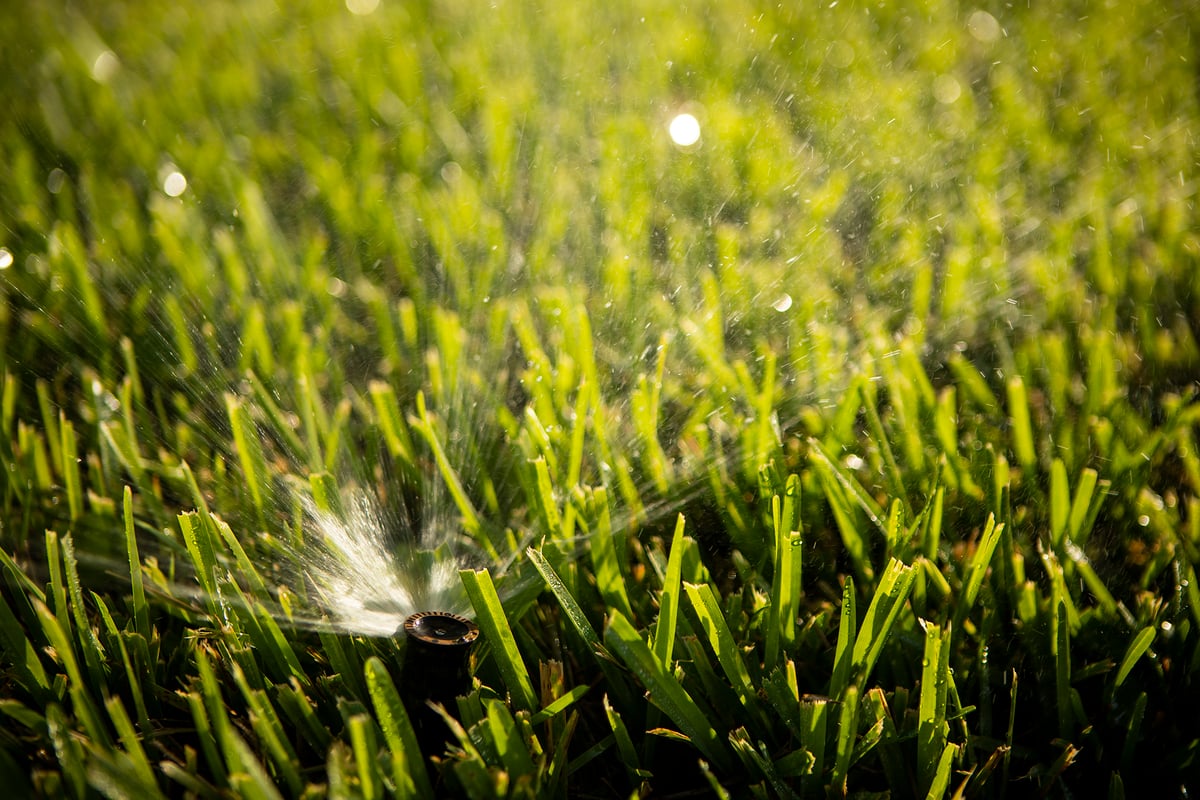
437 662
438 629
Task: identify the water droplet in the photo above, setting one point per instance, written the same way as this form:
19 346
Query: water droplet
1144 520
783 303
105 66
55 180
361 7
983 26
6 258
946 89
174 184
685 130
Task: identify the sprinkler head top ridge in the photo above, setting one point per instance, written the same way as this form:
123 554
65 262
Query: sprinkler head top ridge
441 629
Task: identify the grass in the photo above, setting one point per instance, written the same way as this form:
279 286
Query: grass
851 450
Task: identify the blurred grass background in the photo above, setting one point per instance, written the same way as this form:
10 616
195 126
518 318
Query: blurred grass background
937 262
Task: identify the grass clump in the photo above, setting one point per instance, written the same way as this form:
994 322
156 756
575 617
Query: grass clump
850 450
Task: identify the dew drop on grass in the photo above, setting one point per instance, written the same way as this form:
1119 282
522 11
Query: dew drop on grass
983 26
55 180
946 89
6 258
685 130
105 66
783 303
174 184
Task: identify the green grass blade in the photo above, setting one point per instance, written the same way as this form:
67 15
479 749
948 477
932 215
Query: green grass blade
932 729
843 654
250 454
668 601
786 579
366 756
489 614
408 768
847 734
895 584
1022 428
569 605
720 639
978 568
606 561
665 691
941 776
141 612
1137 647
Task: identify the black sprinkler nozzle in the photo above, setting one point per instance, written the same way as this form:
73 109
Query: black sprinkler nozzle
437 663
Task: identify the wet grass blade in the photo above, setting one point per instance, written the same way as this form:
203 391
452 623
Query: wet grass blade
665 691
978 569
932 729
847 735
720 639
1137 647
895 584
489 614
250 454
786 579
141 612
668 601
843 653
606 562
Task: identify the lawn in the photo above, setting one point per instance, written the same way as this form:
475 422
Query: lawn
850 450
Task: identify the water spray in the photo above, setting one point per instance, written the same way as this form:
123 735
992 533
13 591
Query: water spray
436 669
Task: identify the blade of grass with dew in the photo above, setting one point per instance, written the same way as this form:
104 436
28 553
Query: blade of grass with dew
82 704
132 744
892 474
665 691
941 776
270 734
1022 428
720 639
496 627
1085 505
391 422
70 467
888 601
786 580
408 768
131 675
628 753
932 728
891 755
250 454
843 653
68 750
506 735
668 601
1060 501
1140 644
847 734
814 720
605 559
978 568
568 603
366 756
1060 650
755 762
141 612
